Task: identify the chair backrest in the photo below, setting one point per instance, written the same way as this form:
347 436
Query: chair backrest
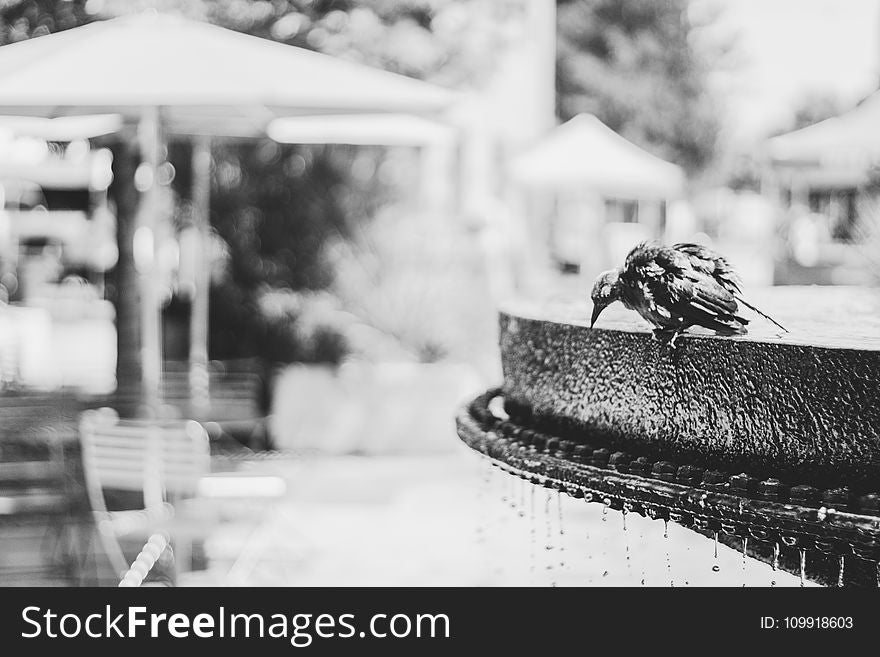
163 460
233 391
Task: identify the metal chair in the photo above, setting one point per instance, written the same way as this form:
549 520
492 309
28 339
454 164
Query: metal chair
41 505
166 467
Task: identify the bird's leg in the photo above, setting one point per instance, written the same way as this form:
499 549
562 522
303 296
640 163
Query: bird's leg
667 336
664 335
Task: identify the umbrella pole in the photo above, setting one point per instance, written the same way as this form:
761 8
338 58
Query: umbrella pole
149 135
198 329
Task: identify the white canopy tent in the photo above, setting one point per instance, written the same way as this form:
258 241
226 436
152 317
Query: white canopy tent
851 137
836 152
593 194
169 75
584 152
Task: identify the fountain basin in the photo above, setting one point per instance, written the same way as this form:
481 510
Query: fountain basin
769 440
803 407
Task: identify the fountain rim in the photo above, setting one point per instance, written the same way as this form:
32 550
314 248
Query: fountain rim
525 309
811 527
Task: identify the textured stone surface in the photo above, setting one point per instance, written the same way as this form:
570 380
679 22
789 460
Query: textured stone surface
804 407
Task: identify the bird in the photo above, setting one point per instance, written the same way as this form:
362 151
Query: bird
676 287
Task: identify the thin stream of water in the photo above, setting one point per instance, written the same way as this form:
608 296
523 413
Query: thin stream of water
715 566
548 546
803 566
561 530
533 533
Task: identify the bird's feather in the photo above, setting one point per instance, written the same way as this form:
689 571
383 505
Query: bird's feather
694 285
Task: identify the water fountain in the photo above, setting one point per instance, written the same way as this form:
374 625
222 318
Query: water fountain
770 443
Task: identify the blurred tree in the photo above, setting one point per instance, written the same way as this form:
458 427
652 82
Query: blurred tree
632 63
276 206
811 108
24 19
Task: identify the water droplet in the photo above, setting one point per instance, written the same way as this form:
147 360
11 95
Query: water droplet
623 515
716 568
665 528
840 573
773 582
605 574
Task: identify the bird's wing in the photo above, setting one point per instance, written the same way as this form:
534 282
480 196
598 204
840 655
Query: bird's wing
679 283
711 263
716 266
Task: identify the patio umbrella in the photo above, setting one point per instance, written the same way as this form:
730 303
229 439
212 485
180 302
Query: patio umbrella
361 130
170 75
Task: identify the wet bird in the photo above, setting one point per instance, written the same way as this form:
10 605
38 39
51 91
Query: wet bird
674 288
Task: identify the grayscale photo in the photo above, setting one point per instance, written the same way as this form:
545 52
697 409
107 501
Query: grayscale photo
439 293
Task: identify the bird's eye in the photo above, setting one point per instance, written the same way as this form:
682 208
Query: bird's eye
606 290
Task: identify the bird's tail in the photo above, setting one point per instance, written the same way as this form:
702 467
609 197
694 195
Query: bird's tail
761 313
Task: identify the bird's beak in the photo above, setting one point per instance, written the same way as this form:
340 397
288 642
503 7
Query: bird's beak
597 310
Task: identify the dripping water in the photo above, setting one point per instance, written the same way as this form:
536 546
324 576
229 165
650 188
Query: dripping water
803 565
522 498
775 560
745 548
588 497
840 573
561 530
668 558
623 512
715 566
482 495
533 538
549 534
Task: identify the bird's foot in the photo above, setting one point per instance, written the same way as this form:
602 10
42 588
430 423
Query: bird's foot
667 337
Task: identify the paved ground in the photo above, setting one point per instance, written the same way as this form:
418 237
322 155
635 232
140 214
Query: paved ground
450 520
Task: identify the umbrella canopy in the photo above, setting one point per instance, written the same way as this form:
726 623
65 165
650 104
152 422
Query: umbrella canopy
848 141
208 79
65 128
360 130
176 76
584 152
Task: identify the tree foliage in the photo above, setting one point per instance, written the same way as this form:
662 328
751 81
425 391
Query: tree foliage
276 206
632 63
